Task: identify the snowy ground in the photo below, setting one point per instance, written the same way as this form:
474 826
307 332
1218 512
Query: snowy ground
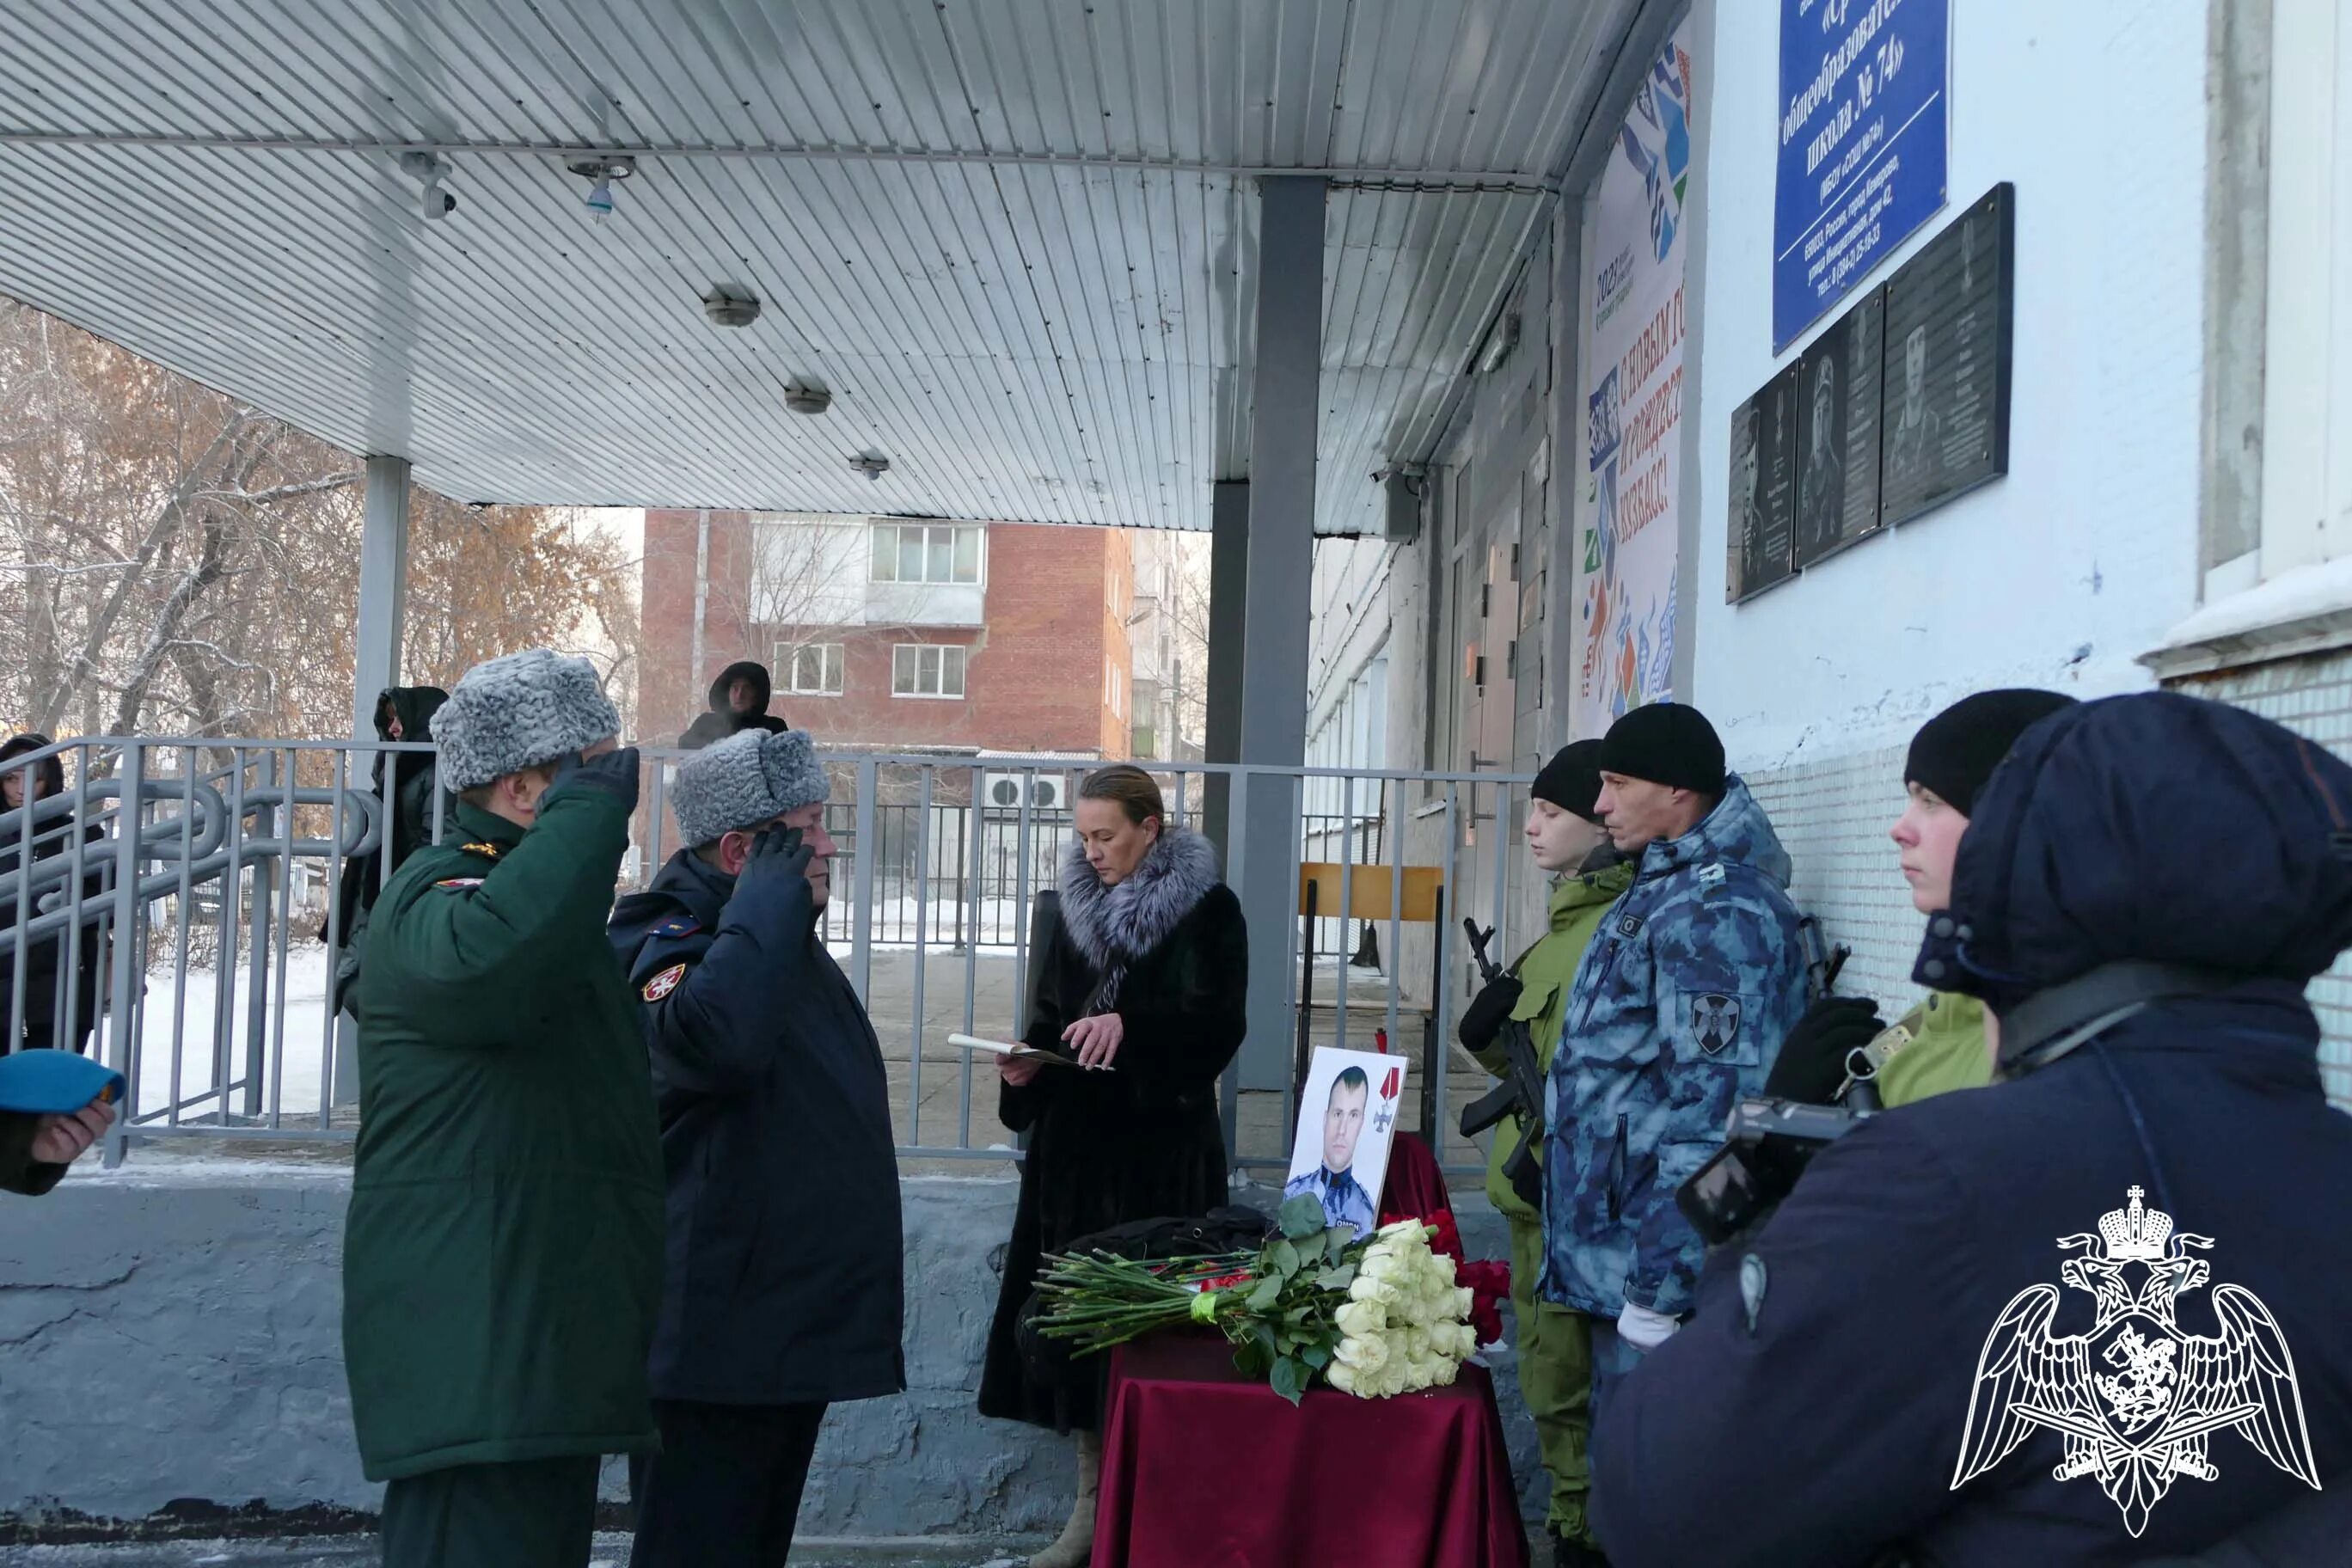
292 1054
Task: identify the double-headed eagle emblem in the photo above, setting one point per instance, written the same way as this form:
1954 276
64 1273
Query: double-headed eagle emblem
2134 1398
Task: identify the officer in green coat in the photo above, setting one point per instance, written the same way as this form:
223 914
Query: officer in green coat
1555 1358
1939 1044
502 1260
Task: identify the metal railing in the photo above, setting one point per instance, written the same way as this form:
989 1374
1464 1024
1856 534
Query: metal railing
198 954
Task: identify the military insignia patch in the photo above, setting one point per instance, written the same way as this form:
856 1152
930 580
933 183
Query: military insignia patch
662 984
1715 1023
457 884
1629 925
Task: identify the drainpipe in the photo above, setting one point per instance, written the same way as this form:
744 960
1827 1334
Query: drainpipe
701 608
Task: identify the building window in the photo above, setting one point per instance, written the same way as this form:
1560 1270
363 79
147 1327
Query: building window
927 553
926 670
812 669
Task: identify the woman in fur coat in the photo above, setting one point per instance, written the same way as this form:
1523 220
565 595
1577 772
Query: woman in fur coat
1143 981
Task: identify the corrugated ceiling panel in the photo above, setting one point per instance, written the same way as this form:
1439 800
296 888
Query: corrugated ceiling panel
1050 344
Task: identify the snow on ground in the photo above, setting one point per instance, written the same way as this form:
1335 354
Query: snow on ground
292 1054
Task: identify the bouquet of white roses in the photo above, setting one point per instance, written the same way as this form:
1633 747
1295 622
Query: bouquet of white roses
1370 1316
1405 1325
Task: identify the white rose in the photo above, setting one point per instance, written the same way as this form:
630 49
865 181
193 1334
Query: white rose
1418 1231
1385 1266
1366 1354
1359 1318
1442 1265
1341 1376
1367 1289
1461 1340
1464 1301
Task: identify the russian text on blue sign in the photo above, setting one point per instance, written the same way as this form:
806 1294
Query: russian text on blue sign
1863 133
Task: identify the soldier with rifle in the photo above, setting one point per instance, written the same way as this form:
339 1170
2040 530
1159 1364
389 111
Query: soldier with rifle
1513 1027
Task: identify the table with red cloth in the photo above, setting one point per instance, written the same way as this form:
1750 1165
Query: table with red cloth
1206 1468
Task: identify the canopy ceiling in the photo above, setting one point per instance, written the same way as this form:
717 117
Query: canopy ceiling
1014 239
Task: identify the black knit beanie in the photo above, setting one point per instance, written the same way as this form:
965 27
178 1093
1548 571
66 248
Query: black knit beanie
1665 742
1571 780
1955 753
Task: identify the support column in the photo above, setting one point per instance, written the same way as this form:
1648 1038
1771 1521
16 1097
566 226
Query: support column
375 664
1277 603
384 589
1228 583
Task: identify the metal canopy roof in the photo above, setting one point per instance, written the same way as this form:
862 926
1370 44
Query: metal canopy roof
1015 239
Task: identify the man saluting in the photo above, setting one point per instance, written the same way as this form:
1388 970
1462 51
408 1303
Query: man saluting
503 1255
773 1108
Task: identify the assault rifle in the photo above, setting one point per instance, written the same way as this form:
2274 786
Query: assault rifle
1521 1090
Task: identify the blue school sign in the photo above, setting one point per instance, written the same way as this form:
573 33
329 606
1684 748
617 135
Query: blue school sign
1864 91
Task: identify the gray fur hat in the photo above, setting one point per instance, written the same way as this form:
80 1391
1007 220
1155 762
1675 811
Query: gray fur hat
748 778
520 710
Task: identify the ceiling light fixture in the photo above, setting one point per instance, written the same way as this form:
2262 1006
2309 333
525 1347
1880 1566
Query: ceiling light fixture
872 465
600 172
731 305
807 398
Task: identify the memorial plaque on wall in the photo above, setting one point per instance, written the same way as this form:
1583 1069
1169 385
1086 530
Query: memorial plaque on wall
1763 487
1837 434
1945 425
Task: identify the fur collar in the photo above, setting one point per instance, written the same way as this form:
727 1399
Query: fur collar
1117 925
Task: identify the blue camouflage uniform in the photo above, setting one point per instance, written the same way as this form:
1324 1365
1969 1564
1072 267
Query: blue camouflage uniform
1681 1002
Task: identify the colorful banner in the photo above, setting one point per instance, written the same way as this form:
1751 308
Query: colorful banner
1633 390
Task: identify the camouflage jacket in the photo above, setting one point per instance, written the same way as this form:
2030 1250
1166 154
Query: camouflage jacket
1678 1008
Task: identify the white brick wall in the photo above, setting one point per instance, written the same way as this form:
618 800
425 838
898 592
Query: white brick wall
1833 815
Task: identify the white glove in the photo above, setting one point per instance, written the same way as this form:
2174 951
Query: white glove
1644 1329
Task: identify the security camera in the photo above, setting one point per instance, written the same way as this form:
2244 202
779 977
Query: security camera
433 202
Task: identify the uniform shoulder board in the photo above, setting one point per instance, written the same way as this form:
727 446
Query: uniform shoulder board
457 884
662 984
486 850
676 925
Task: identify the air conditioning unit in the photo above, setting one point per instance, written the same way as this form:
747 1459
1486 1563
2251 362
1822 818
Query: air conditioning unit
1039 791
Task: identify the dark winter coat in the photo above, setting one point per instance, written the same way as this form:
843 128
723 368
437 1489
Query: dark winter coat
502 1260
46 999
721 720
1819 1399
1166 950
409 808
782 1278
19 1172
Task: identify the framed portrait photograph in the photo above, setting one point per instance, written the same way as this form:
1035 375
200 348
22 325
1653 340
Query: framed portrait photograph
1346 1122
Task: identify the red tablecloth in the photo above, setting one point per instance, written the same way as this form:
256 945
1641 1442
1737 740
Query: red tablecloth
1203 1469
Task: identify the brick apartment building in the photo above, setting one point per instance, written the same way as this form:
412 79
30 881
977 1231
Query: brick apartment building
895 633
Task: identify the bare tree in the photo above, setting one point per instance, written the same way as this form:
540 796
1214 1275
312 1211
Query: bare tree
172 561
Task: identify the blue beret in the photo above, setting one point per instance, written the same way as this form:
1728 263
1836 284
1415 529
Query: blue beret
55 1083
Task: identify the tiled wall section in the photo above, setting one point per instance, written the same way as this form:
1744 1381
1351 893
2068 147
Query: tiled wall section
1833 818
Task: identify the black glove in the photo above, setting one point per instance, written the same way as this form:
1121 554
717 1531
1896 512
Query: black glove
1812 1058
1489 1011
615 774
778 852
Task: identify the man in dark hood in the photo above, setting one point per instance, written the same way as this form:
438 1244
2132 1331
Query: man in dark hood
738 700
403 714
1974 1330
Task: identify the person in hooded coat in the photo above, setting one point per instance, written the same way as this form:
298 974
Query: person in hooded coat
1839 1395
738 700
782 1287
52 1019
402 713
1144 976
